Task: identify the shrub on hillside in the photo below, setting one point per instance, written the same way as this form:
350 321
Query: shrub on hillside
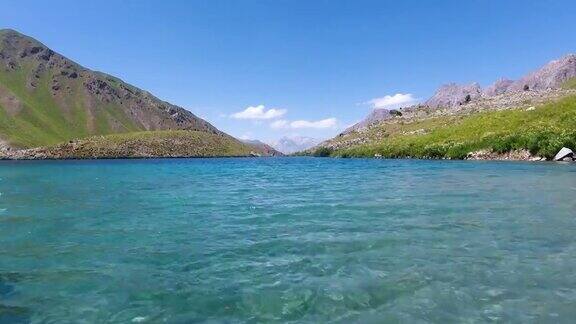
322 152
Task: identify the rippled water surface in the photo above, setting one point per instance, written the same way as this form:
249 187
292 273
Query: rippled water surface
288 239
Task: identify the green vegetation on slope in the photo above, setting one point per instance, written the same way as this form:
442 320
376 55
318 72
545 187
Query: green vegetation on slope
46 99
542 131
151 144
40 120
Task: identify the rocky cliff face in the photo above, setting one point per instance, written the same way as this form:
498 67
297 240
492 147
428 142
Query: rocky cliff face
550 76
376 116
452 95
497 88
45 98
447 96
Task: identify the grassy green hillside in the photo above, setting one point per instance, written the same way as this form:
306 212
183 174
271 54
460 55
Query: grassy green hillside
39 118
45 98
149 144
542 131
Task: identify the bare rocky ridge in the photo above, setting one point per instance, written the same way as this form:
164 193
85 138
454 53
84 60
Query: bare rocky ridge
376 116
497 88
539 86
452 95
550 84
550 76
526 100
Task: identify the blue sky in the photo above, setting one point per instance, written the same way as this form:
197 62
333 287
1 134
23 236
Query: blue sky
318 64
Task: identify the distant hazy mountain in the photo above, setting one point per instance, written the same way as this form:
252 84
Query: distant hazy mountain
289 145
262 147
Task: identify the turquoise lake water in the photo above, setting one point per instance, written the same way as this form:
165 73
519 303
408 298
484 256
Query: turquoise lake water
287 239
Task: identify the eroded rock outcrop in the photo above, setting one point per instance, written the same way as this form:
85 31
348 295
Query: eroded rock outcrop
499 87
550 76
453 95
375 117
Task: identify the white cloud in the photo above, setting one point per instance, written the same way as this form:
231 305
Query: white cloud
396 101
299 124
324 123
278 124
259 112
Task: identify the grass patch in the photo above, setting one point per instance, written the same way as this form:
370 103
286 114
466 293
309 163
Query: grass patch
322 152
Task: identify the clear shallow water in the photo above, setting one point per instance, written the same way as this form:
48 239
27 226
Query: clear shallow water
302 240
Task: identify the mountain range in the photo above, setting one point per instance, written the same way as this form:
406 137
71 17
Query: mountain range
47 99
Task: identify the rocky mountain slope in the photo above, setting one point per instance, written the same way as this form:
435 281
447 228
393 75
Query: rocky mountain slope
551 76
47 99
458 118
375 117
527 133
451 95
545 83
293 144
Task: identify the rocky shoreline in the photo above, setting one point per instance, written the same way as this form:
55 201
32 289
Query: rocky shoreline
564 155
66 154
516 155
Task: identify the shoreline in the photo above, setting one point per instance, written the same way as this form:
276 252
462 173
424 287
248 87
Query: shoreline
4 158
495 157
